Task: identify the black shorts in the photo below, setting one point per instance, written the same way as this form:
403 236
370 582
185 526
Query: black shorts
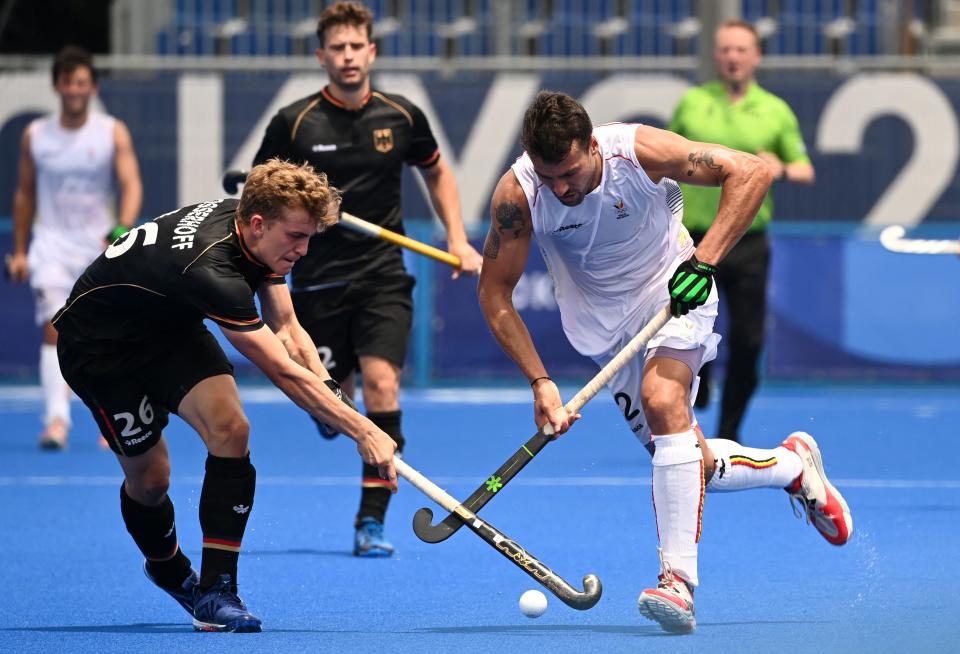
131 403
359 318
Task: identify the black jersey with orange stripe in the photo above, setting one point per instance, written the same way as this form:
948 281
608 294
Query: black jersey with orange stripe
163 278
362 152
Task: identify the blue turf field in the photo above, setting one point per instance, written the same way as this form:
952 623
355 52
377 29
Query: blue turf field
70 578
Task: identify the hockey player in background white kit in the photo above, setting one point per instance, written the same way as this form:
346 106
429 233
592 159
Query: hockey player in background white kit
605 211
70 169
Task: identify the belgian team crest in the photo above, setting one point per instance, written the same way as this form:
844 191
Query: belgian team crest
383 139
621 210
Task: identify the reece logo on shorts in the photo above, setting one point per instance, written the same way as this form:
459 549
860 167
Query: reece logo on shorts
135 441
187 226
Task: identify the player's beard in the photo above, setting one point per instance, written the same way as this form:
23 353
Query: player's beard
75 110
350 86
573 200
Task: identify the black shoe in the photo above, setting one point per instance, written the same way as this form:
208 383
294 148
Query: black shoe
185 595
221 609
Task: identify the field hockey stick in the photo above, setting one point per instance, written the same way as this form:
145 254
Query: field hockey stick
892 238
423 518
233 178
575 599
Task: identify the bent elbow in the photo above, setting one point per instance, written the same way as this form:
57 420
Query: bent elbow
759 172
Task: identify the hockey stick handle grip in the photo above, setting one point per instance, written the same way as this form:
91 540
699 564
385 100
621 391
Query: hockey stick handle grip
629 351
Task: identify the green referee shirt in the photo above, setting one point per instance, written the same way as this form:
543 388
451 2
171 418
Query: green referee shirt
760 121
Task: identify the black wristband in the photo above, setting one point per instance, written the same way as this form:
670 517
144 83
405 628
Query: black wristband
533 383
703 267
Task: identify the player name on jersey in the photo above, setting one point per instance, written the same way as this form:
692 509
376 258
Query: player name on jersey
187 226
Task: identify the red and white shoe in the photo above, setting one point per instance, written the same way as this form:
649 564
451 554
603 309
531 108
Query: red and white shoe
823 504
670 604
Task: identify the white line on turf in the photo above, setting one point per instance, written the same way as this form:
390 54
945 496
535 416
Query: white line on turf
266 480
21 398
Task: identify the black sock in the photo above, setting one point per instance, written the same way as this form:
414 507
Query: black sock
154 530
375 495
225 504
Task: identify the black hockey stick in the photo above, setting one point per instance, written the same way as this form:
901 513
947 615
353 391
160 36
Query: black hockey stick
423 518
232 179
575 599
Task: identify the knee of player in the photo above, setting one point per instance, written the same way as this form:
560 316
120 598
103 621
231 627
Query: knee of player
657 402
709 465
228 434
150 486
383 391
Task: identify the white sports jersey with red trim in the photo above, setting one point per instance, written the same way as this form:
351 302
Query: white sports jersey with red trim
75 192
610 256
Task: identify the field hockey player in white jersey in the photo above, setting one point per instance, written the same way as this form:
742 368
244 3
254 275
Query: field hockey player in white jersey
606 215
71 166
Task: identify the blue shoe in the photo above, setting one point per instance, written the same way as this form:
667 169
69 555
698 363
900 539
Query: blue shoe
185 595
325 430
369 541
221 609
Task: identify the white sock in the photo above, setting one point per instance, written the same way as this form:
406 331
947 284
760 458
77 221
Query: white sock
740 468
678 500
56 393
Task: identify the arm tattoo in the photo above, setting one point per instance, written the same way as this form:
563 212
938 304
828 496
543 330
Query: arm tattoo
507 221
491 247
705 158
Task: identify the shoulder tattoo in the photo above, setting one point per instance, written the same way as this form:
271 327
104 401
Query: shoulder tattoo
702 158
507 223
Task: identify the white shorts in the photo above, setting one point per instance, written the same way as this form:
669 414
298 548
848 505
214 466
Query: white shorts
48 302
53 272
691 335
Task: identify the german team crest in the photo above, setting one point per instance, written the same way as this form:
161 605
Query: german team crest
383 139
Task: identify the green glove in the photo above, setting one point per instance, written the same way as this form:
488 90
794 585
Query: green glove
116 233
690 285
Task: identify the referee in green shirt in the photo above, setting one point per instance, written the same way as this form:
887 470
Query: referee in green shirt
734 111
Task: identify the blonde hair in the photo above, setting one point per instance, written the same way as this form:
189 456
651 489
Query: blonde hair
279 184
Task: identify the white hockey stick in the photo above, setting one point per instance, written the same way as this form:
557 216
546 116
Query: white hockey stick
892 238
423 518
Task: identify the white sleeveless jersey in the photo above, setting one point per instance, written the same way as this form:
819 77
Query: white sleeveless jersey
75 187
610 256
